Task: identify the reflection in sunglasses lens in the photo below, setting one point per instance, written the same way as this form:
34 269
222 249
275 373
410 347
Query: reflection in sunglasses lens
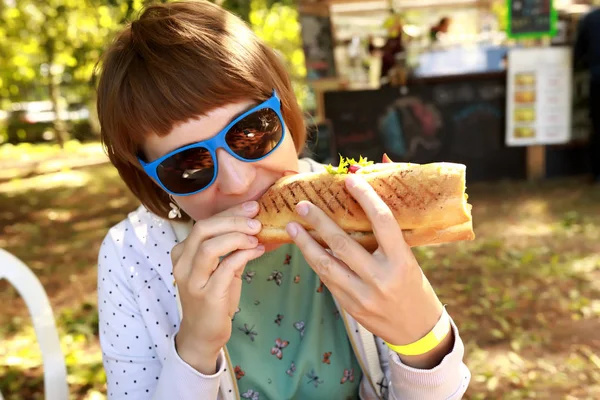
188 171
256 135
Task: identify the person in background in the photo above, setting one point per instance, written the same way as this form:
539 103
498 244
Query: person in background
586 54
441 27
393 45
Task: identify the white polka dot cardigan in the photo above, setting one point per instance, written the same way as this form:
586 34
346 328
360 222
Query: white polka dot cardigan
139 318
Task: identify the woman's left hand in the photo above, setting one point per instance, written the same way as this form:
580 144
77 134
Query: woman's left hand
386 291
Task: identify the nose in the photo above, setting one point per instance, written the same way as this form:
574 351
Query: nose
235 177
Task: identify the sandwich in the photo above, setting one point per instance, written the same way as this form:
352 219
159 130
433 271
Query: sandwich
428 201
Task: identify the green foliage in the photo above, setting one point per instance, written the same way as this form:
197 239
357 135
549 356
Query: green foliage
500 10
277 23
62 38
60 41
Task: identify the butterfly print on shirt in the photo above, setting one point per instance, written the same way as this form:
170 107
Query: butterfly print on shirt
276 276
326 357
278 319
297 279
248 276
250 332
348 376
251 394
277 350
291 369
300 328
313 378
239 373
321 286
288 258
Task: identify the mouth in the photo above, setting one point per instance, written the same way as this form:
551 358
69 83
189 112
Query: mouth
263 191
259 194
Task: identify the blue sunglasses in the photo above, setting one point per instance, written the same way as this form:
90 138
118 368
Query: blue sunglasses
250 137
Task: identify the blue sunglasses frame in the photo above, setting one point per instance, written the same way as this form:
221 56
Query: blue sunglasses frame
217 142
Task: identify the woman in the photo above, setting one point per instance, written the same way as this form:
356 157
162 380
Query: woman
442 27
199 118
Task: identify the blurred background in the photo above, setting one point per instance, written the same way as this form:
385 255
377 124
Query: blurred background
491 84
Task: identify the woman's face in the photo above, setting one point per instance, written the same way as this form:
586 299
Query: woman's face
237 181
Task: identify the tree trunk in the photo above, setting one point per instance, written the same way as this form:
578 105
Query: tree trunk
60 128
92 104
59 125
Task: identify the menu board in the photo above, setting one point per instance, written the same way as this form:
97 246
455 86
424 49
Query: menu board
538 101
453 119
531 18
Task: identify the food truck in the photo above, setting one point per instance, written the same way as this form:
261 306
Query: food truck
495 90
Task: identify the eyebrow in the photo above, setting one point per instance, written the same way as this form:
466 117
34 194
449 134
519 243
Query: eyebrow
245 110
236 116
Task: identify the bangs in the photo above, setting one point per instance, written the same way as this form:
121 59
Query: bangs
176 62
165 84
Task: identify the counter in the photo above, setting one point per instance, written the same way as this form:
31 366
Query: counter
458 118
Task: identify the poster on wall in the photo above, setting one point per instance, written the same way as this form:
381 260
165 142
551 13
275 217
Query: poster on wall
538 101
458 120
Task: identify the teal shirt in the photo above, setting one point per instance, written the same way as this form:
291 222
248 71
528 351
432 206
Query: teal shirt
289 340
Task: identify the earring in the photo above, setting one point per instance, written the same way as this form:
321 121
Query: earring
175 211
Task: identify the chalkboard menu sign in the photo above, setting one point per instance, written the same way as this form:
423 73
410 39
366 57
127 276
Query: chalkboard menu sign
320 145
455 120
531 18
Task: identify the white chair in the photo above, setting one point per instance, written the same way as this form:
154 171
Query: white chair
32 291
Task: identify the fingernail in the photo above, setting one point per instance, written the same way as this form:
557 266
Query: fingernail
351 181
260 247
302 209
250 206
292 229
253 224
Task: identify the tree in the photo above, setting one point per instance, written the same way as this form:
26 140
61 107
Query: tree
50 47
277 23
54 44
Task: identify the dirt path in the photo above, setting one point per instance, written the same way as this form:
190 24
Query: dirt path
525 294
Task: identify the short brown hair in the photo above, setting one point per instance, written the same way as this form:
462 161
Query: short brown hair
175 62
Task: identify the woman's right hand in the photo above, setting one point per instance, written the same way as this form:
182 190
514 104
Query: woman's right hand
210 288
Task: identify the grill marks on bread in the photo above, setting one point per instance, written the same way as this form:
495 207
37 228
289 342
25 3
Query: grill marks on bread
320 195
419 196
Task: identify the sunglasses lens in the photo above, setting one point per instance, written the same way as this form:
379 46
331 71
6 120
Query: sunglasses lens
187 171
256 135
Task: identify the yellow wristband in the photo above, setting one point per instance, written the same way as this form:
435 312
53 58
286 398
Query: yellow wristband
427 342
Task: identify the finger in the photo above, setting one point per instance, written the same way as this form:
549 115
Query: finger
230 268
385 227
339 278
247 209
228 221
211 251
344 248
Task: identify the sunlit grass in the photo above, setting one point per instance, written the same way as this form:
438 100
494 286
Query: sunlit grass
32 152
71 179
26 160
525 294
